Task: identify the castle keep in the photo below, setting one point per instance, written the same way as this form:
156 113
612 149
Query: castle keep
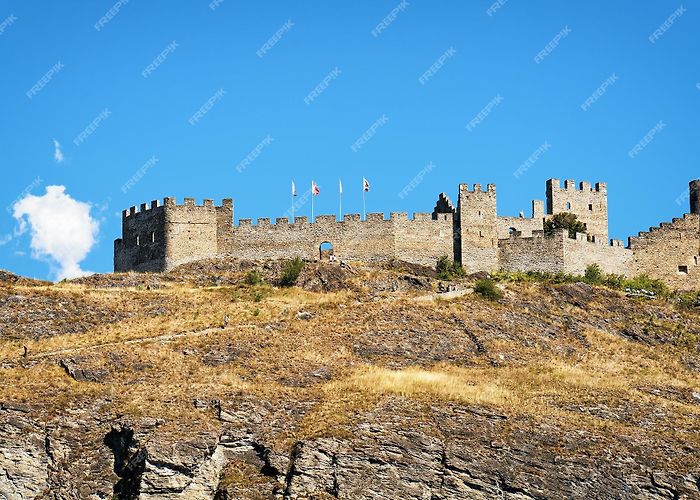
159 237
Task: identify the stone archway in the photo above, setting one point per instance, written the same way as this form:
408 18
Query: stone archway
325 251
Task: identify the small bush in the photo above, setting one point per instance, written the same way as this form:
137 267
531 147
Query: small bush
615 281
448 270
253 278
564 221
644 282
535 276
488 289
687 300
594 275
291 271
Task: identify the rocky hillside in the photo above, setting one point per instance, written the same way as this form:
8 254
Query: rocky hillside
360 382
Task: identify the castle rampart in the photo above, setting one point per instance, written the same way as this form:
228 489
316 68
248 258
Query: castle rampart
560 253
159 237
669 252
421 239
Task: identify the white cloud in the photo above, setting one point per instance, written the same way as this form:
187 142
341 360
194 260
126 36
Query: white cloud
62 230
57 154
5 239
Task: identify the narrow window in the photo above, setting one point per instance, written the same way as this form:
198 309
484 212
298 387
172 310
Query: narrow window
590 207
568 205
683 269
153 236
138 240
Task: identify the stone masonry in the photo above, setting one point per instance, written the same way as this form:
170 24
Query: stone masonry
158 237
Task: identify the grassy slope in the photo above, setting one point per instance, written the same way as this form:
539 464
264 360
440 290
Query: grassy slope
603 364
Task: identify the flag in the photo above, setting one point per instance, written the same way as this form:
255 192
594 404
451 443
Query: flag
294 189
365 184
314 189
340 187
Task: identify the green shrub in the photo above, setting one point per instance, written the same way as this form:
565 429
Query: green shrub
564 221
535 276
488 289
687 300
448 270
594 275
253 278
615 281
644 282
291 271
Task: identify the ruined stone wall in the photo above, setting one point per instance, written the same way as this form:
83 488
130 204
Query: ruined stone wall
142 245
524 226
559 253
664 251
420 240
589 204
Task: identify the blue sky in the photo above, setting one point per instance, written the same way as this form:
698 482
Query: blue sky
213 51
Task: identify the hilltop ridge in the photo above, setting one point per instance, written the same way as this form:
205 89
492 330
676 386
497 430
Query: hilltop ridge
212 382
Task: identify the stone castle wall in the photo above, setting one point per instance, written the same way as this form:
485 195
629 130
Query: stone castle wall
559 253
524 226
669 252
534 253
421 240
580 253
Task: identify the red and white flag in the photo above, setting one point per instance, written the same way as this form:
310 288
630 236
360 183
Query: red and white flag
365 184
314 189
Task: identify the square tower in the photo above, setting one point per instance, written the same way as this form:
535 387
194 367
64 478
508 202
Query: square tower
589 204
478 228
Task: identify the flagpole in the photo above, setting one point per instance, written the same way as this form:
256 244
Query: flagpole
340 200
364 212
294 193
312 203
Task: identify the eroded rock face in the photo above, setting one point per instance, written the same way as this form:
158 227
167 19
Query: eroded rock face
395 452
24 463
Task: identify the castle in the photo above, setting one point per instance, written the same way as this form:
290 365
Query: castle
158 237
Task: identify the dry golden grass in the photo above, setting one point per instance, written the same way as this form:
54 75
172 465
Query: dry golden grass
523 373
452 385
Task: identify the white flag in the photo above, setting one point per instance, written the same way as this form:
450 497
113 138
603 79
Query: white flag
365 184
294 189
340 187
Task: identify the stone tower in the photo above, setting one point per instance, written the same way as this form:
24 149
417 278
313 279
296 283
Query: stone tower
478 233
694 190
589 204
159 237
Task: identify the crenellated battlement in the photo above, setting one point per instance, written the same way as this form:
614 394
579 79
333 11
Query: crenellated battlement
563 234
570 185
490 188
348 219
170 202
